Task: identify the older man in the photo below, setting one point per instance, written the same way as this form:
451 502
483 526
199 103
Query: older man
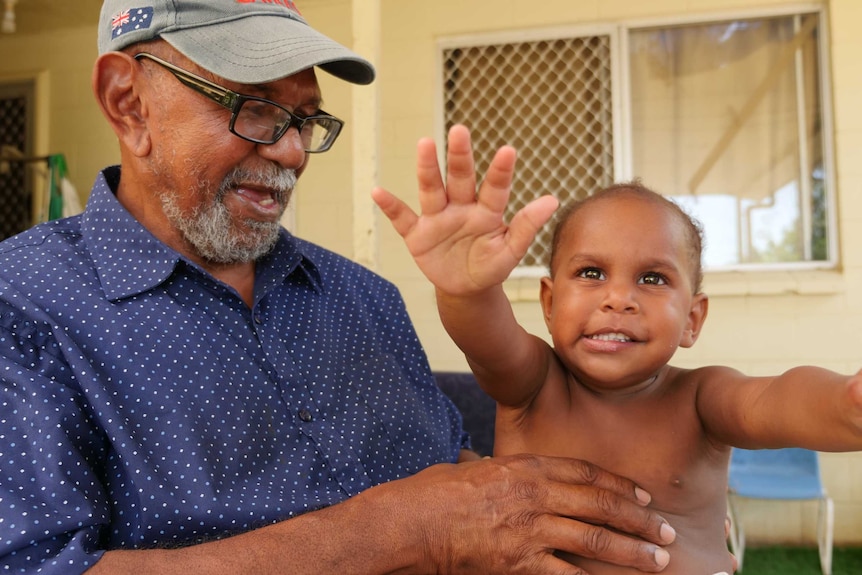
188 388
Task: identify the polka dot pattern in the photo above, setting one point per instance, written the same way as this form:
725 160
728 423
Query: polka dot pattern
142 403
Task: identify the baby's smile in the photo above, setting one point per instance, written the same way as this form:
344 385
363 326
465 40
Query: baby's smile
614 336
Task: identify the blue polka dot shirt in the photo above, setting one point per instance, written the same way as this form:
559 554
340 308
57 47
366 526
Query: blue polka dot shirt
142 403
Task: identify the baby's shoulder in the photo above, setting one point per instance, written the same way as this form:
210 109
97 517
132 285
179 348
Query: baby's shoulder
695 377
701 374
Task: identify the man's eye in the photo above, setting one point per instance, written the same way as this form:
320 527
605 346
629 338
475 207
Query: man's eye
653 279
591 274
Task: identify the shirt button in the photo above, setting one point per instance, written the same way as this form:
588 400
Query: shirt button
257 320
305 415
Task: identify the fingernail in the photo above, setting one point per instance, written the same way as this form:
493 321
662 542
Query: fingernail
667 533
662 557
642 495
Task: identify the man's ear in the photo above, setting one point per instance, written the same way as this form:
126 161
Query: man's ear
696 317
546 297
115 83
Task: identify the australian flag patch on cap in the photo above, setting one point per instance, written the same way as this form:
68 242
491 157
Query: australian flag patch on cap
131 20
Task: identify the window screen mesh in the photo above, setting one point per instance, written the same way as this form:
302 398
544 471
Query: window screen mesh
551 100
15 185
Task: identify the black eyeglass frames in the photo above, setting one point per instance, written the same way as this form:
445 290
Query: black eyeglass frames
256 119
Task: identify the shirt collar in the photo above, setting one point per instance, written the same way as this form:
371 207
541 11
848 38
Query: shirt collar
130 260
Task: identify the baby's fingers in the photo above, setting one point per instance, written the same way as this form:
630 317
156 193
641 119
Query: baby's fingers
432 193
460 167
528 221
855 398
402 217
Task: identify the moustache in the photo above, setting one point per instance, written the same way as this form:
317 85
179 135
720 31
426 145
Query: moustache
280 180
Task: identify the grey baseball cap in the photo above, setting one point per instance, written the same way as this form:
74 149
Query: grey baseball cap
245 41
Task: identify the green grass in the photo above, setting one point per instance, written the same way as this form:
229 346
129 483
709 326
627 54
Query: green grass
800 561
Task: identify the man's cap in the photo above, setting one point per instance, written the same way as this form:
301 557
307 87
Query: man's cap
245 41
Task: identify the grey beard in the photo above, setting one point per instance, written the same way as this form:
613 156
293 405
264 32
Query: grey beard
211 230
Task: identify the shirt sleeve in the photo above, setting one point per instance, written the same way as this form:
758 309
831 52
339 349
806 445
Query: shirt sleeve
53 510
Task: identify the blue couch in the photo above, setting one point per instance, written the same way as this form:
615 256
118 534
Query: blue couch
477 408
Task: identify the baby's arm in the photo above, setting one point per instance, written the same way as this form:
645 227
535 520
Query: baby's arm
461 243
804 407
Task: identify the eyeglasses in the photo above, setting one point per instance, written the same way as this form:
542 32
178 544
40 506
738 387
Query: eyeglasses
256 119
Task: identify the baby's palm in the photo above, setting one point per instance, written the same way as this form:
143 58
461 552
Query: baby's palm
464 248
460 240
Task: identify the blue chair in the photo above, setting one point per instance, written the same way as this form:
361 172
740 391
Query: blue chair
780 474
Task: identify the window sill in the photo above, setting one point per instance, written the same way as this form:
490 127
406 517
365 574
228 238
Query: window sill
768 283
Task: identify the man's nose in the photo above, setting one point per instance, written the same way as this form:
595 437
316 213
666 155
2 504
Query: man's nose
289 151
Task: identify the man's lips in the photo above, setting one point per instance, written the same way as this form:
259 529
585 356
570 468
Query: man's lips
263 200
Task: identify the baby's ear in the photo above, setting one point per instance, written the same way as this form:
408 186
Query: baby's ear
696 317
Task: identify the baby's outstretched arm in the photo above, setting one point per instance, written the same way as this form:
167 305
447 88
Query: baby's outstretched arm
803 407
462 244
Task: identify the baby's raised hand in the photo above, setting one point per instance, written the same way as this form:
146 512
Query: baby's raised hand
460 241
855 395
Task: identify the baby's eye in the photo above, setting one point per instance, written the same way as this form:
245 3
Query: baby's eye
653 278
591 274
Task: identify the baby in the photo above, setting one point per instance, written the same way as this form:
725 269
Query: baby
624 292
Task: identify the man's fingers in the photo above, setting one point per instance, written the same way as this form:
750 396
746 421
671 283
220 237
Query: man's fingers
541 512
599 506
402 217
580 472
590 493
584 499
594 542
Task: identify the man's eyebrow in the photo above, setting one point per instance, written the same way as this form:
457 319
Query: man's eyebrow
268 92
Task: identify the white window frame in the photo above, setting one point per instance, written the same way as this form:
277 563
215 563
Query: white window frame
618 32
826 110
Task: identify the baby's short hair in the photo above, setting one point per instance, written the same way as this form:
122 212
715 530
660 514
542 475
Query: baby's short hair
692 227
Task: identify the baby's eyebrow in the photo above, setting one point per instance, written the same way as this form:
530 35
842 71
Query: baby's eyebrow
664 266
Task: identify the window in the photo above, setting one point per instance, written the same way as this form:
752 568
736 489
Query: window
552 100
16 179
729 118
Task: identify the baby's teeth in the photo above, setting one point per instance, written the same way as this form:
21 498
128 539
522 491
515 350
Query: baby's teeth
611 337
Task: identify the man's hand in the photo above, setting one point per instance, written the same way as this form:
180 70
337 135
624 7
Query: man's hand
509 515
460 241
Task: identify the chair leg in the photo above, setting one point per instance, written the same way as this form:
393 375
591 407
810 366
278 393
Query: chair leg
736 535
825 529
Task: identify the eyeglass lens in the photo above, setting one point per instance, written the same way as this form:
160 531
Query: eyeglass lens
262 121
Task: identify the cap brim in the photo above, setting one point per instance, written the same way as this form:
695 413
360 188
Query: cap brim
265 48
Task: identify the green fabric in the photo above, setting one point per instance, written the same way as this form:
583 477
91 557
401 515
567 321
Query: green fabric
57 166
